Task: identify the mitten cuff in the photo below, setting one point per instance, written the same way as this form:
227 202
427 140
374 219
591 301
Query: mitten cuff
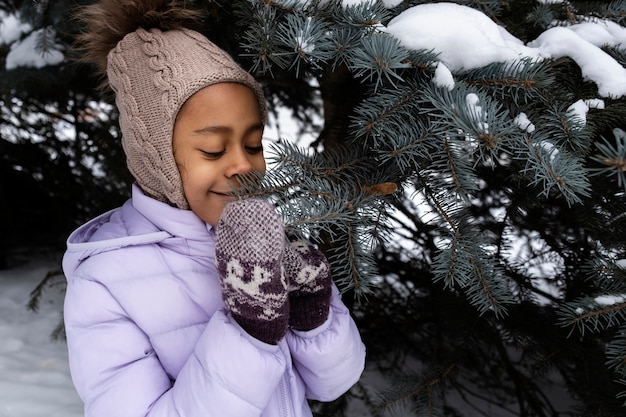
309 311
269 332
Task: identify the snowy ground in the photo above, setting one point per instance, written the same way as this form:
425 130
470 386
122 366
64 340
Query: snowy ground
34 374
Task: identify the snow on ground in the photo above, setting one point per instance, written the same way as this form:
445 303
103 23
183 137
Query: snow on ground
34 372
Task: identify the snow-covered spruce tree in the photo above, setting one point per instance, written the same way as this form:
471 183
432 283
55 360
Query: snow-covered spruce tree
468 184
469 192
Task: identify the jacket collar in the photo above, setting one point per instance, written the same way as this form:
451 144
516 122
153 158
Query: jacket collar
175 221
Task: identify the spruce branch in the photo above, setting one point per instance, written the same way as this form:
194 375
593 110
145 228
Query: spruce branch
613 10
554 169
450 169
390 110
541 16
334 199
569 129
307 39
342 41
260 40
461 266
353 264
616 353
46 41
607 308
612 158
423 396
422 60
366 15
521 82
53 278
501 138
472 116
378 59
594 314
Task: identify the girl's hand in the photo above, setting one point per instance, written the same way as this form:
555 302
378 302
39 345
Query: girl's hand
249 246
308 272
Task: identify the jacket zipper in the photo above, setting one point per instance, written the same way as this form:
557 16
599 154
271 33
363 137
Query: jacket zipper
284 398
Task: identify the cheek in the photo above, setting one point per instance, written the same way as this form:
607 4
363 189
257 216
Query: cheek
200 178
258 164
193 177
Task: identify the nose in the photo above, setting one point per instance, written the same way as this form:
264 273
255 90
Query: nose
238 163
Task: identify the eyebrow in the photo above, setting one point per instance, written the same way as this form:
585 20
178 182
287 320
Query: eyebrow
220 129
211 129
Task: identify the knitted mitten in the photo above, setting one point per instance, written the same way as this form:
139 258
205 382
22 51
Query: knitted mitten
249 245
308 272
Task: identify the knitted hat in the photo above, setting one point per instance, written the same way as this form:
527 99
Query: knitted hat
153 69
153 73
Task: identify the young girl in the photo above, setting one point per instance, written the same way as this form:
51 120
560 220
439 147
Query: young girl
185 302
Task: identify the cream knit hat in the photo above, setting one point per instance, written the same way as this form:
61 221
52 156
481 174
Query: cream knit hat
153 73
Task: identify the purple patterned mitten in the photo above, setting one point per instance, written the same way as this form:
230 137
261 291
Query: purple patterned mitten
249 245
310 281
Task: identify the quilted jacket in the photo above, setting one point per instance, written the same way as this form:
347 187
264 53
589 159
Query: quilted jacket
148 333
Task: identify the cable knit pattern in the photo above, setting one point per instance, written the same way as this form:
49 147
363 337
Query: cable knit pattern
153 73
249 245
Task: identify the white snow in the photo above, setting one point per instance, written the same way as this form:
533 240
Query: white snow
595 64
24 53
477 111
609 300
34 373
443 77
463 37
579 109
467 39
524 122
601 32
11 28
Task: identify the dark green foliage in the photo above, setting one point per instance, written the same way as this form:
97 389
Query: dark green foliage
61 160
508 218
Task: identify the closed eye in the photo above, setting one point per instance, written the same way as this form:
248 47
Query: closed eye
212 155
254 149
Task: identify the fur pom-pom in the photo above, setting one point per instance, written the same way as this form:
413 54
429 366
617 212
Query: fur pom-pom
106 22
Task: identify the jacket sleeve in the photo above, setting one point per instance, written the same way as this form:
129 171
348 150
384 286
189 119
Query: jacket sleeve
331 358
116 372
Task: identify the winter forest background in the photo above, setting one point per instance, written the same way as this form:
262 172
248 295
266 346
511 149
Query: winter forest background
462 164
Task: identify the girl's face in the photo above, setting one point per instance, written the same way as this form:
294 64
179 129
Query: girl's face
217 136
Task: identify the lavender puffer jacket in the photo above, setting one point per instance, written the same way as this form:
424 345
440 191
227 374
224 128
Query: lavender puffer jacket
148 334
